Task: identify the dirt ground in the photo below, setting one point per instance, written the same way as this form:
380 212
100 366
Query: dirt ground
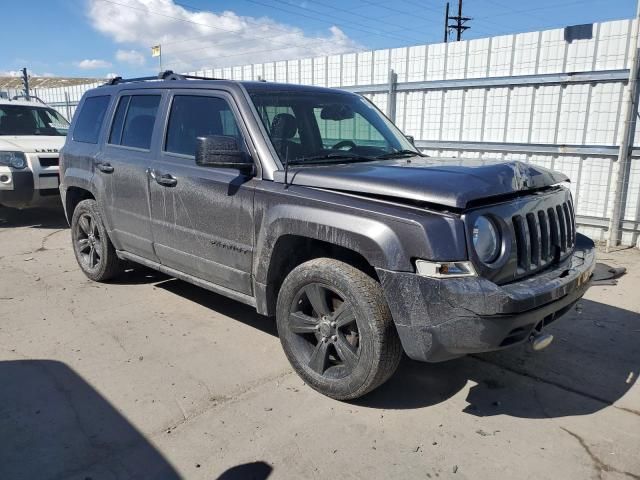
150 377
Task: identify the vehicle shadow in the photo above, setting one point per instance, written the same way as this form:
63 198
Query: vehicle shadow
254 471
49 218
221 304
593 361
55 425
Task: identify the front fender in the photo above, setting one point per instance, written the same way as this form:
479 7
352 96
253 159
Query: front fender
376 241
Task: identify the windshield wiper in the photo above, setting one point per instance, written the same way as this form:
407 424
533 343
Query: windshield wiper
331 158
400 154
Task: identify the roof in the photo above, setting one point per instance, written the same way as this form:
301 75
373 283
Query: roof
251 86
45 82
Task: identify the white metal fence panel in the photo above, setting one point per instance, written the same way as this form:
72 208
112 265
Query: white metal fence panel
531 96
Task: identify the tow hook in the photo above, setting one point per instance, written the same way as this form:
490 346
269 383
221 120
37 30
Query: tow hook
540 341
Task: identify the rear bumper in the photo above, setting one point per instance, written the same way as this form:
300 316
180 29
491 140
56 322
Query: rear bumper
441 319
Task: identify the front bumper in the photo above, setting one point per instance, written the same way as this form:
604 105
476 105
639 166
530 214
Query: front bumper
35 185
440 319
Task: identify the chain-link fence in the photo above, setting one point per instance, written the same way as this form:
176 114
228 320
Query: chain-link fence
63 99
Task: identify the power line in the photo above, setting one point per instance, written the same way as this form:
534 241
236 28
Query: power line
350 26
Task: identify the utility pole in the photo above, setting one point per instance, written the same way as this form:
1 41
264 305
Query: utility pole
459 25
25 83
630 101
446 23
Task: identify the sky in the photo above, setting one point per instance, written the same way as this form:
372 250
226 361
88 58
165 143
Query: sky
100 38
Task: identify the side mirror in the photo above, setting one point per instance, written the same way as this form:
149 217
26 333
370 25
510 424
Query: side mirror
411 139
222 152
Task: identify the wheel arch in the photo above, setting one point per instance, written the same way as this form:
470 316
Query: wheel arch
285 243
74 195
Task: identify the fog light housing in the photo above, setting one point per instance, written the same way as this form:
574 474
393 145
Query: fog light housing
445 269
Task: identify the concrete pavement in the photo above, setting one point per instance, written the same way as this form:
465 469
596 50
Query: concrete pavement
150 377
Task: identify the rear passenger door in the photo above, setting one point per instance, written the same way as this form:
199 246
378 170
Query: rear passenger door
202 217
123 168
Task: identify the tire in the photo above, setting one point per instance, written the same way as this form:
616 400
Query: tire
92 247
336 329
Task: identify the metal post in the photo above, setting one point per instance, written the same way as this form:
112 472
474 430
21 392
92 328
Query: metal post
25 82
391 102
630 102
446 23
459 35
68 106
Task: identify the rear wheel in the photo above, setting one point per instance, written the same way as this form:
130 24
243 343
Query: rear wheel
93 249
336 328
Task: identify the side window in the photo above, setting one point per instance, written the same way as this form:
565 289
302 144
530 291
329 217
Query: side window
115 136
134 120
198 116
90 119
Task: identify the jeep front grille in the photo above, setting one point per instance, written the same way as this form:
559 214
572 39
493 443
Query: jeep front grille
543 236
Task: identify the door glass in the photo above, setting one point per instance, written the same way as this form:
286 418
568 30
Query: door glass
115 136
138 123
198 116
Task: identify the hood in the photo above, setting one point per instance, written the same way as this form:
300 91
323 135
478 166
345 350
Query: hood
450 182
32 143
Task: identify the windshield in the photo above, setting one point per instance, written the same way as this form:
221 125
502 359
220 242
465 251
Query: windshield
26 120
311 127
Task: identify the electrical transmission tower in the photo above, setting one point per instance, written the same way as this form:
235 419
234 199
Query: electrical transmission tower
459 25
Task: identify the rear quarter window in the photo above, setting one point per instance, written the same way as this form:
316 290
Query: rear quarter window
89 123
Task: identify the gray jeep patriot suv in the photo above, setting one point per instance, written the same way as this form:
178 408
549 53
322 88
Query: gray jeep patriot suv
310 205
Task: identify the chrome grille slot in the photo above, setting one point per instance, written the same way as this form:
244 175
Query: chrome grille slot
545 251
555 231
521 242
563 229
534 235
569 222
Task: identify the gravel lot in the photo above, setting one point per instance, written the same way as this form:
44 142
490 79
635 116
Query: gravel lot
150 377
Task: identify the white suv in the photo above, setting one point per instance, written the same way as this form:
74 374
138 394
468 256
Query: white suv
31 135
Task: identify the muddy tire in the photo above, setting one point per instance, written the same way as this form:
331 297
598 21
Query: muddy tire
336 329
92 247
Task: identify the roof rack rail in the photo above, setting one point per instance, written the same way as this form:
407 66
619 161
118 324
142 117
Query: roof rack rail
166 75
28 98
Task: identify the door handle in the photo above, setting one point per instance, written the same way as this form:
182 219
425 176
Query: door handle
164 179
104 167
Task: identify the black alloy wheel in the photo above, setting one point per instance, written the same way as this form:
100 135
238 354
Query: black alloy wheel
336 328
326 330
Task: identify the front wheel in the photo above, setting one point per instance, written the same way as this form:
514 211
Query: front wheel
94 251
336 328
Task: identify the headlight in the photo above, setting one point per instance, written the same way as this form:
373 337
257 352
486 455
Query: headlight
13 159
486 240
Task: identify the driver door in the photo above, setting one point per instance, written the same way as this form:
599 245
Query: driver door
202 217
